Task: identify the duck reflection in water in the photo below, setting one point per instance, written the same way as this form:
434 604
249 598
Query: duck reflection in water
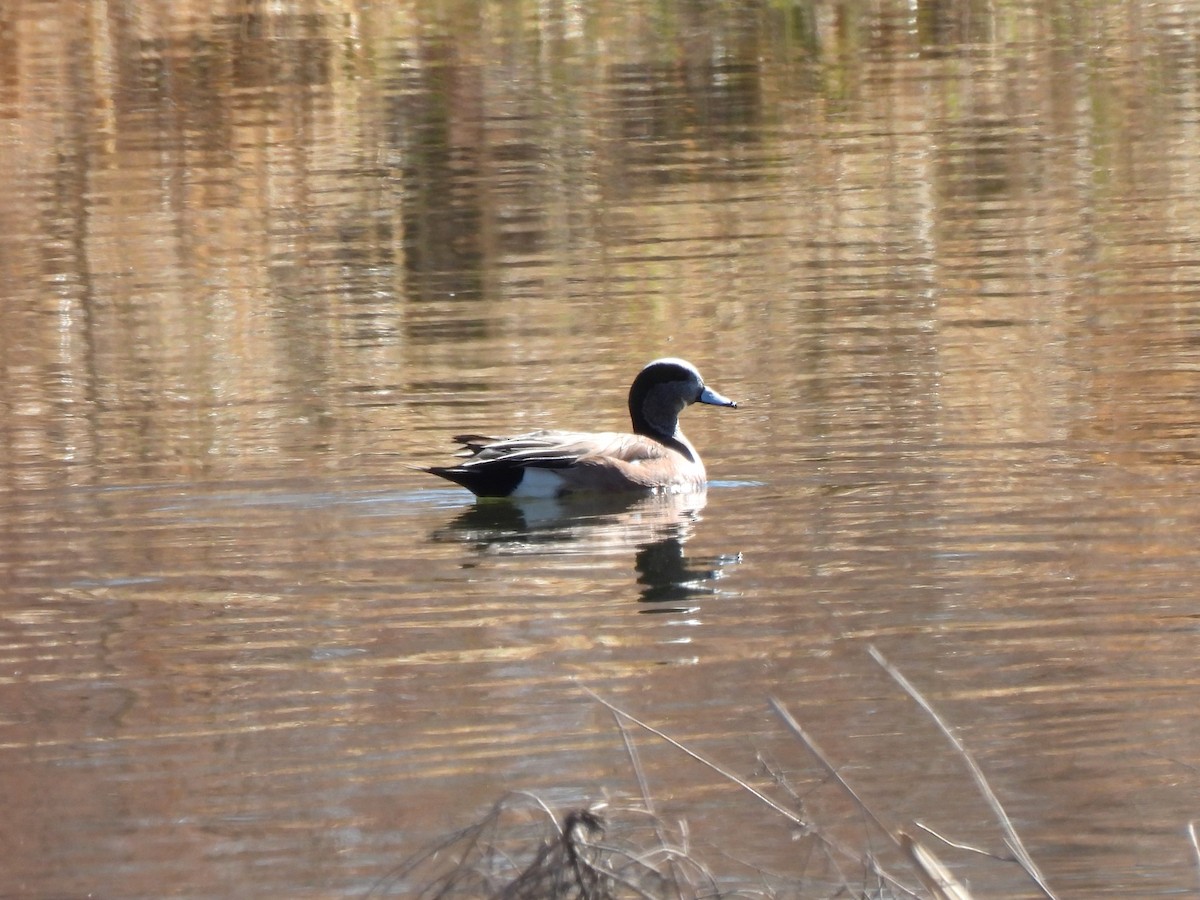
655 528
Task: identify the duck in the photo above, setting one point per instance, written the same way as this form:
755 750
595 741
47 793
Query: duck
655 458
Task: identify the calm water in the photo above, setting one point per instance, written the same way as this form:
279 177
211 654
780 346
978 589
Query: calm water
258 259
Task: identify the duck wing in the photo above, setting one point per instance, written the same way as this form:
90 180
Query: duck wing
558 449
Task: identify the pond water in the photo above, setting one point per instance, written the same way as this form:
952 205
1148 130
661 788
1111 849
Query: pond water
259 260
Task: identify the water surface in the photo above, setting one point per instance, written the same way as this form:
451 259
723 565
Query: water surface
258 261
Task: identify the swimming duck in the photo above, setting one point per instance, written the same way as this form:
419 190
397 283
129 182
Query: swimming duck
656 457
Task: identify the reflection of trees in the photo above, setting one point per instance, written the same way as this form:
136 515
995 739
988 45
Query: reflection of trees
437 126
496 160
217 216
676 123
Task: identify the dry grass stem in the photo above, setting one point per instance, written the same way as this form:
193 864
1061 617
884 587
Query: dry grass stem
1012 839
524 850
824 760
868 862
819 754
935 876
643 786
724 773
960 846
1195 844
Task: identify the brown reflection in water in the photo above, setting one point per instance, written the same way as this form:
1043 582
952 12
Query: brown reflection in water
683 122
255 251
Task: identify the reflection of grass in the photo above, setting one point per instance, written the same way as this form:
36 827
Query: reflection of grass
521 850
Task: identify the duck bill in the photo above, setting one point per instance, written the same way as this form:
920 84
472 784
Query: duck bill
711 397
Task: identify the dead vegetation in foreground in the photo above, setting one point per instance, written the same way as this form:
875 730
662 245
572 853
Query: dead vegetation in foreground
522 850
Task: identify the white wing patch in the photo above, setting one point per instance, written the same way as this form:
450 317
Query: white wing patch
539 483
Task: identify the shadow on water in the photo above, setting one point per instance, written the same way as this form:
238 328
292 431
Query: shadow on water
654 528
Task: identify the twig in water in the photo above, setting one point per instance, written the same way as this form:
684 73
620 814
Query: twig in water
871 864
1012 839
932 872
958 846
644 786
806 739
782 810
816 751
1195 843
